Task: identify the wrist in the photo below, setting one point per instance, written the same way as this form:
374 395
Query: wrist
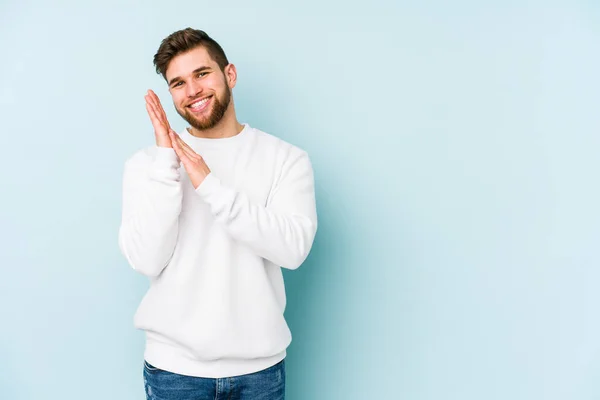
164 143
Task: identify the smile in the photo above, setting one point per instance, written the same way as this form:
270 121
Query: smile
200 104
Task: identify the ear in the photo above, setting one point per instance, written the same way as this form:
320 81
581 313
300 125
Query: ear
231 75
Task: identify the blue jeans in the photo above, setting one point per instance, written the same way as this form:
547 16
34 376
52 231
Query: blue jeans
268 384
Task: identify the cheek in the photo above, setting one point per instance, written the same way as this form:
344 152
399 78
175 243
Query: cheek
178 99
216 84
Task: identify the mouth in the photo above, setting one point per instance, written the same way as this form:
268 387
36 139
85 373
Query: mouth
199 105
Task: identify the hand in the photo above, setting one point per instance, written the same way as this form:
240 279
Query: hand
192 162
159 120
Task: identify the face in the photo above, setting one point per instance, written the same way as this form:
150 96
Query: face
201 91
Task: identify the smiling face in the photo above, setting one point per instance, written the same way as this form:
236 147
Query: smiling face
201 91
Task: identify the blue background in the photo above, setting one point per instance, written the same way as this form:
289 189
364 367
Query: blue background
455 147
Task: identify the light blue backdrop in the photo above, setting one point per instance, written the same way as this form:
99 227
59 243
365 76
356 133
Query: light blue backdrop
456 156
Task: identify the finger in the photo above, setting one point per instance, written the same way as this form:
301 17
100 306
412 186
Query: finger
160 117
159 108
164 114
152 107
183 144
181 153
152 104
183 147
177 148
153 97
186 148
175 141
153 117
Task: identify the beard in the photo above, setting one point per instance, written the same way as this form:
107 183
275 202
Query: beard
217 111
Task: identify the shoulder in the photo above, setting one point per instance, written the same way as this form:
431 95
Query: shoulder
277 146
291 161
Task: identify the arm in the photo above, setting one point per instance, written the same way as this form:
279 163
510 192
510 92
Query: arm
152 198
282 232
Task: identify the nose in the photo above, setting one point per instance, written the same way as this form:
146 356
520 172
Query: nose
193 89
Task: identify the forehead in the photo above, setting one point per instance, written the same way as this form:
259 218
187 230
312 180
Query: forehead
183 64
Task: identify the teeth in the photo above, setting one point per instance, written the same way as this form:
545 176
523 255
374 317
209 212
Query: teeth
199 103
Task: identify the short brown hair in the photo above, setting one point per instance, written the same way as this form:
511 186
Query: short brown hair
185 40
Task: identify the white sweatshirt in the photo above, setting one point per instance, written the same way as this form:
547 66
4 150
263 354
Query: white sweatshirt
216 299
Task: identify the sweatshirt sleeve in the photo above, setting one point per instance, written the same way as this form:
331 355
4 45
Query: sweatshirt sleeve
282 232
152 197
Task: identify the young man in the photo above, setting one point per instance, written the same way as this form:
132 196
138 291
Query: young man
211 215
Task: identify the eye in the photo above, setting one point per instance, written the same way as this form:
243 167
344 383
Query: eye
178 84
201 74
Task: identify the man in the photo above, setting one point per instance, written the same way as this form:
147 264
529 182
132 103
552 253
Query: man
211 215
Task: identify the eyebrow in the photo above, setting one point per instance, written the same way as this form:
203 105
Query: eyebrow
199 69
